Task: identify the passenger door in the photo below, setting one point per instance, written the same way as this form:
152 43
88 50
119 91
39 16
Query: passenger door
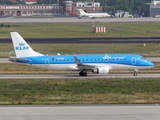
133 60
47 61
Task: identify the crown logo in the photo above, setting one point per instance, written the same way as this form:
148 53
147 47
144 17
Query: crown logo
106 57
22 44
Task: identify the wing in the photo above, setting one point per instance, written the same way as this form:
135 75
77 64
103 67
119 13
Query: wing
83 66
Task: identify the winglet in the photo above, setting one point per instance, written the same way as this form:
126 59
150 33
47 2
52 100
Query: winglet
84 66
77 61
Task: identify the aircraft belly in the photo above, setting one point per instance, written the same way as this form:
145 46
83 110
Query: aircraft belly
121 66
74 67
60 67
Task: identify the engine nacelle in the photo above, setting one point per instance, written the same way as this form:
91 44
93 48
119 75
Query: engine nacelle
101 70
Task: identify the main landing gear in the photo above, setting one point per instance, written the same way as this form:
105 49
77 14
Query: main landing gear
82 73
135 72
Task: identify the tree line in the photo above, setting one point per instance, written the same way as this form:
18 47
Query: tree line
133 6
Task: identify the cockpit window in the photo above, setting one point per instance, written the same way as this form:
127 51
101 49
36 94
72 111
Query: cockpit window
142 58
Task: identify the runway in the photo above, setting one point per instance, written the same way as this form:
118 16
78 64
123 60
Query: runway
75 20
76 76
81 112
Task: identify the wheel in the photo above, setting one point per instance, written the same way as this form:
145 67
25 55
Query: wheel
82 73
135 74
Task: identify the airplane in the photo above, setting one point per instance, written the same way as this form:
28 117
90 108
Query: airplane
96 63
92 15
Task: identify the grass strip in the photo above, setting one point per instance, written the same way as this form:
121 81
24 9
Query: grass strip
54 30
148 50
120 91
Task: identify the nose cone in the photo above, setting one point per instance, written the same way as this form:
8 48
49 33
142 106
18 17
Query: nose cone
149 63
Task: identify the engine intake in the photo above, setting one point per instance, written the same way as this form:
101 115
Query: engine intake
101 70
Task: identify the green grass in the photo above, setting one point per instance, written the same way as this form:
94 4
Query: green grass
53 30
137 29
79 91
7 50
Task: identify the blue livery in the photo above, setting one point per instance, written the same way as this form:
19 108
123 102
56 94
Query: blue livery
100 64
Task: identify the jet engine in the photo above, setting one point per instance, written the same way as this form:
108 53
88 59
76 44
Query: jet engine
101 70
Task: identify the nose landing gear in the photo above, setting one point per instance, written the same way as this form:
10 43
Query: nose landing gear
135 72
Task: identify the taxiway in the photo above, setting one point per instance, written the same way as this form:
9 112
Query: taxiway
81 112
76 76
75 20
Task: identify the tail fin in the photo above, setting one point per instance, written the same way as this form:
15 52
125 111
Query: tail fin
81 12
22 49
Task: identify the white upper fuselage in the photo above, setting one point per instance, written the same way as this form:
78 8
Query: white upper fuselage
93 15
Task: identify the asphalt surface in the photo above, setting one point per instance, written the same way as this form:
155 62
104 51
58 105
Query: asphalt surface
81 112
75 20
98 40
76 76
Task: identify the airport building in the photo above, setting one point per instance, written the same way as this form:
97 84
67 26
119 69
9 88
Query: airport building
88 7
29 10
151 9
63 7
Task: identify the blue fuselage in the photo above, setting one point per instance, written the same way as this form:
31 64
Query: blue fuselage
112 61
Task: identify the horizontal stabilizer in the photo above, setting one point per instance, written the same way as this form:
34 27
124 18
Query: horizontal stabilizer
14 59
